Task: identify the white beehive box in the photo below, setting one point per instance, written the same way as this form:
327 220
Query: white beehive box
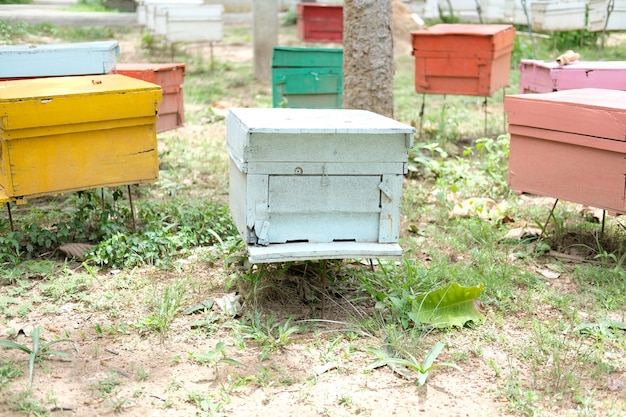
145 10
598 12
316 184
192 23
558 16
463 9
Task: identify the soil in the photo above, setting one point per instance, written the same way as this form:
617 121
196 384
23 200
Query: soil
323 372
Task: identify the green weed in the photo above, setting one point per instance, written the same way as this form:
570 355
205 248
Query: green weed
387 356
164 305
213 357
270 334
37 352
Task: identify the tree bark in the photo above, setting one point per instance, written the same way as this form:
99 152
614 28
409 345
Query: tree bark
368 64
265 35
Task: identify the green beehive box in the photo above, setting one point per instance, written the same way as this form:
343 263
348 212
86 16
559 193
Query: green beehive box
307 77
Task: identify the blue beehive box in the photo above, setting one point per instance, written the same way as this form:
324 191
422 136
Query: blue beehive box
55 60
316 183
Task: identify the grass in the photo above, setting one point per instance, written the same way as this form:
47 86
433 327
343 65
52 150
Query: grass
547 343
37 352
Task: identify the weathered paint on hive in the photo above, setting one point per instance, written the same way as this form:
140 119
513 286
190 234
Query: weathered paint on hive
307 77
170 76
316 176
320 22
548 76
74 133
464 59
570 145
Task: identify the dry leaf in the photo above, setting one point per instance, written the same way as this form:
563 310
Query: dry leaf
546 273
615 384
75 250
229 304
524 232
568 57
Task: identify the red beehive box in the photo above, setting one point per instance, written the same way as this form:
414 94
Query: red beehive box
320 22
170 77
569 145
463 59
547 76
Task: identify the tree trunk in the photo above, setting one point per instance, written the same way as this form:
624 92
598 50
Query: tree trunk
265 34
368 63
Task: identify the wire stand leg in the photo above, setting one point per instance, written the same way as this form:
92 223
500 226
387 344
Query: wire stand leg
419 134
132 209
543 229
10 216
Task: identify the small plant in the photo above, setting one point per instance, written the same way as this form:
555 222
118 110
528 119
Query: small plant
37 352
164 307
118 404
214 357
108 385
8 371
205 404
142 375
422 369
270 334
24 402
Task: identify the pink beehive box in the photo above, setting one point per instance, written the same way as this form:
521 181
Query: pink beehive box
569 145
546 76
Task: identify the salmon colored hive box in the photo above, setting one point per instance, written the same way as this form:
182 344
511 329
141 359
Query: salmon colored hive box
171 78
76 133
569 145
462 59
320 22
547 76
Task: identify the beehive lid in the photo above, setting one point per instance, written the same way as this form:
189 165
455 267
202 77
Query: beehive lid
63 59
591 112
322 121
70 101
499 36
150 71
343 141
576 65
292 57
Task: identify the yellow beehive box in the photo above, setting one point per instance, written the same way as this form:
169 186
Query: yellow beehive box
76 133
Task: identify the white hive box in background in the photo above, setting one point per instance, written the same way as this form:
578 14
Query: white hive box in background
558 16
463 9
316 184
598 12
194 23
146 8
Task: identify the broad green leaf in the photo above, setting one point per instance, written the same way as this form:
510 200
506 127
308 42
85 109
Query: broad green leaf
453 305
12 345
